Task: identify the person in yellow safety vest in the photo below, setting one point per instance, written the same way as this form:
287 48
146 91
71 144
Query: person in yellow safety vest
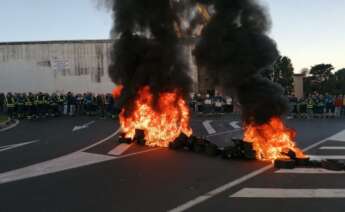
29 101
10 104
53 105
20 107
40 102
46 105
310 106
61 101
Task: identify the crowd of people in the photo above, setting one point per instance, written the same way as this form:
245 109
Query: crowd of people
41 105
211 103
318 105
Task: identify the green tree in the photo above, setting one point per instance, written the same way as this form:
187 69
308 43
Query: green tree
322 80
267 73
339 81
321 72
283 73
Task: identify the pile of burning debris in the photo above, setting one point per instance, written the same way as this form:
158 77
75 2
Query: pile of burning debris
237 150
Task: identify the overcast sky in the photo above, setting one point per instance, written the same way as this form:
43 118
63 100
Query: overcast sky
307 31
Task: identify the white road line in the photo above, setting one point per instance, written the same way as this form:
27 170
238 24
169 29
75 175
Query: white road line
208 127
101 141
325 157
71 161
308 171
288 193
12 146
74 160
240 180
339 136
219 190
119 149
234 124
10 127
84 126
333 147
223 133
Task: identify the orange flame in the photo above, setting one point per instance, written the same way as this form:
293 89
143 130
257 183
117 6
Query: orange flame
272 140
117 91
161 126
202 9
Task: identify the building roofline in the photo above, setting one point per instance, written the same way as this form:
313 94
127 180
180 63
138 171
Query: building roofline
57 42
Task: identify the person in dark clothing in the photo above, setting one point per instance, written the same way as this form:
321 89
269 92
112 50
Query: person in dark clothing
2 102
70 101
88 103
109 102
93 105
40 104
29 103
54 105
20 105
10 104
79 104
101 104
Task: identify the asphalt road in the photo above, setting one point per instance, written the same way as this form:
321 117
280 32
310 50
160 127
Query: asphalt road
46 166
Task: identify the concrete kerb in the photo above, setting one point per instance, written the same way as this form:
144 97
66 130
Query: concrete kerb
10 123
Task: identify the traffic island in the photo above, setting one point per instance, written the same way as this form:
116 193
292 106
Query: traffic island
7 123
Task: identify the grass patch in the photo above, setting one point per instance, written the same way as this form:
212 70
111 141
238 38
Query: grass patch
3 118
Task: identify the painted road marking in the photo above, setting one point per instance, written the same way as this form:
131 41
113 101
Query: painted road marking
223 133
234 124
70 161
84 126
288 193
10 127
333 147
119 149
242 179
325 157
208 127
101 141
339 136
12 146
308 171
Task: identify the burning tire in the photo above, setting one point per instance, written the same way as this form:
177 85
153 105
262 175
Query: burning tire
199 146
314 164
211 150
284 164
175 145
139 137
227 152
302 161
123 139
334 165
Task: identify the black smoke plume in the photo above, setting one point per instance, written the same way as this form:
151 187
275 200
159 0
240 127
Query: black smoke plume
147 50
234 47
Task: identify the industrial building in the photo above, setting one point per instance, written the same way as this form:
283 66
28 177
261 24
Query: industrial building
60 66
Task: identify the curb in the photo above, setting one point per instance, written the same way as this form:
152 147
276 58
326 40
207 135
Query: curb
9 124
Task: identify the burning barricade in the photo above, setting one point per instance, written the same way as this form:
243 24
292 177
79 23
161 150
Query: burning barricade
268 142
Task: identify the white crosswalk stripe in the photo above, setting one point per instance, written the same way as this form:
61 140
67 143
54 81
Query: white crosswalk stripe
119 149
308 171
325 157
332 148
288 193
208 126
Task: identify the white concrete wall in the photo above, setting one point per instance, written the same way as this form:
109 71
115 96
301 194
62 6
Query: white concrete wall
55 67
58 66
